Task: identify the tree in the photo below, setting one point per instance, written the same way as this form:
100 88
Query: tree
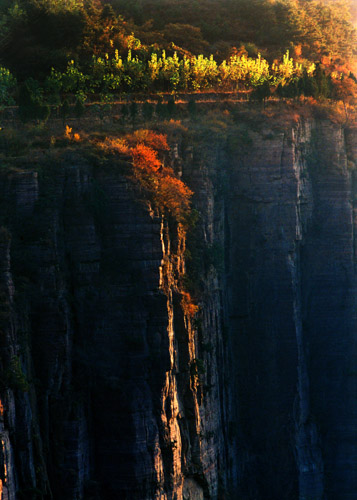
186 36
65 110
326 29
344 89
124 112
307 85
41 37
31 106
261 93
79 108
103 30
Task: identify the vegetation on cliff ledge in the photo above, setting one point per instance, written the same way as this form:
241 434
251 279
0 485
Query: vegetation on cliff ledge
164 190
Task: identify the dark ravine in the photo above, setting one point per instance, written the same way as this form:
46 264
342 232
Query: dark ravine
110 391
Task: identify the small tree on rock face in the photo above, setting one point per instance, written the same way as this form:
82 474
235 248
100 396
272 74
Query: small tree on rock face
166 192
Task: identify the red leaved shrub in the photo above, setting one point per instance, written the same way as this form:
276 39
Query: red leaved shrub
164 189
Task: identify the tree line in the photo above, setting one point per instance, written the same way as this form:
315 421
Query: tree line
106 58
110 77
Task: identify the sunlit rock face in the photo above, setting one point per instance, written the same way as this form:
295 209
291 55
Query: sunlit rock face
112 390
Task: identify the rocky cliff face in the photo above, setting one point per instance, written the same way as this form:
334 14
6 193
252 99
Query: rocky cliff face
292 302
107 396
112 389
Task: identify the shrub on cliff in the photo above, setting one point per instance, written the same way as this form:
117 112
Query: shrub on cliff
163 188
164 191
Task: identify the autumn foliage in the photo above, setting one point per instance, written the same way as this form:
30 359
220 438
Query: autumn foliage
154 140
72 136
164 189
145 159
188 306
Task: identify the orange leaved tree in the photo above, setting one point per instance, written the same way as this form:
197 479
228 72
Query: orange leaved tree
164 189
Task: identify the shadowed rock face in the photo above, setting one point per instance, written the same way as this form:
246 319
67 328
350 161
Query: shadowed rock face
111 391
117 407
292 304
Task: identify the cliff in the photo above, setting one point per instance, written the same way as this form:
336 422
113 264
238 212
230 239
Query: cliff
292 293
112 389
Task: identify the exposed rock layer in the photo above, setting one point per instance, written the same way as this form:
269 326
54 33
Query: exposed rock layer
110 390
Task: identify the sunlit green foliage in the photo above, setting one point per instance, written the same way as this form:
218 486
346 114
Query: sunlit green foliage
171 73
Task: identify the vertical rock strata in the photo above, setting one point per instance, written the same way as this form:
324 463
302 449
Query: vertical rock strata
292 303
329 284
106 397
7 476
110 388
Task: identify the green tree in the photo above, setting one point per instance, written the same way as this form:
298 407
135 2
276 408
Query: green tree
65 110
79 108
31 106
261 93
